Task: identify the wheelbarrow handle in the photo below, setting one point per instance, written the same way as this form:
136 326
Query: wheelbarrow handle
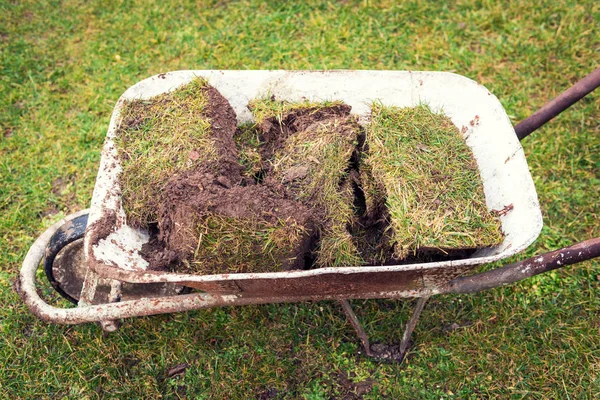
511 273
554 107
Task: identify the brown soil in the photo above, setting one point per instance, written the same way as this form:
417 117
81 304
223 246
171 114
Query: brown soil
195 195
101 229
223 127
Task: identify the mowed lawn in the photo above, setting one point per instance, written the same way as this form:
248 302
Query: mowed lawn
63 65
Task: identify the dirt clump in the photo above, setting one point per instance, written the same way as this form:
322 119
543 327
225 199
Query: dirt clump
214 227
211 215
157 138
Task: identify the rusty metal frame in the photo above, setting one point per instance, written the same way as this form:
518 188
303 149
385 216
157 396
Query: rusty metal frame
563 101
151 306
110 313
518 271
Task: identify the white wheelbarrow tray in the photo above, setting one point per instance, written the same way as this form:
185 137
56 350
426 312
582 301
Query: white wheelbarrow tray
472 108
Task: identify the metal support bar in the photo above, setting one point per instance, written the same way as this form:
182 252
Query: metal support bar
364 338
579 252
563 101
412 324
381 351
113 297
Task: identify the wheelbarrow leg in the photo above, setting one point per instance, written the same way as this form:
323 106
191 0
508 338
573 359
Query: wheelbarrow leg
113 297
412 324
381 351
364 338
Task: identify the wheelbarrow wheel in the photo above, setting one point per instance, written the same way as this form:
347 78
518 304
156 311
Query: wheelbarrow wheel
66 269
61 272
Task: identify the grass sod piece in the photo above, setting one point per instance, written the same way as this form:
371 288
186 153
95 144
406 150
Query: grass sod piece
337 247
158 138
312 164
431 183
240 245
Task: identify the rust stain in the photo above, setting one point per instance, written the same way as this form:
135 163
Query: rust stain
504 210
474 121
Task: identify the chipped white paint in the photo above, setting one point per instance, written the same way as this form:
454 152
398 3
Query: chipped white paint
539 259
471 107
117 248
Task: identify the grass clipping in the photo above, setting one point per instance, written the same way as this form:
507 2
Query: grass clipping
419 165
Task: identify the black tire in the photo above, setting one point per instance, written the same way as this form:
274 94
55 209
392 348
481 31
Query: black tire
68 233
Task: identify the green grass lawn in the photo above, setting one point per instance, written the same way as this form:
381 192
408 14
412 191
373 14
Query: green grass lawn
64 65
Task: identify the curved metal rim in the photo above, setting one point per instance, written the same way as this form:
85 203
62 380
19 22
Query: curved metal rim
25 287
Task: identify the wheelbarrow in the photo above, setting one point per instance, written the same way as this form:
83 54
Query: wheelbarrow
108 280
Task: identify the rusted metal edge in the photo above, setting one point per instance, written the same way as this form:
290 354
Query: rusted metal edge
25 287
511 273
154 306
148 276
554 107
233 283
